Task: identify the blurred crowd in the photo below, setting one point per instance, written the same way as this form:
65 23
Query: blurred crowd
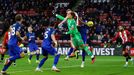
107 16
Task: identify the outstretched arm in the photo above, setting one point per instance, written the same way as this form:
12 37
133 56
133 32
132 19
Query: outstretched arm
61 23
59 17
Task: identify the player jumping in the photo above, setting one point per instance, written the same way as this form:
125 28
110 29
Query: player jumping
76 37
47 48
15 51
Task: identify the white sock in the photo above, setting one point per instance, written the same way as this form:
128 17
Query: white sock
92 56
67 57
126 63
54 67
132 59
83 62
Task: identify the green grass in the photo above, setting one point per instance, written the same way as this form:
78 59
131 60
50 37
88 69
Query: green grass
104 65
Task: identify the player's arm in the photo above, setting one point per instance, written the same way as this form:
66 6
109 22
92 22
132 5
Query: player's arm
116 36
79 19
54 39
61 23
129 34
19 36
82 21
25 37
59 17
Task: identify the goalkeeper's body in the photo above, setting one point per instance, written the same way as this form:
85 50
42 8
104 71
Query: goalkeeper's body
73 31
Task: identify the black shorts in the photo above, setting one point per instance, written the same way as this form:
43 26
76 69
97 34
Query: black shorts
126 44
6 47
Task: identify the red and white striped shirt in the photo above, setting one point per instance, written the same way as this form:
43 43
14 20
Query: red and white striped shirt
125 36
6 38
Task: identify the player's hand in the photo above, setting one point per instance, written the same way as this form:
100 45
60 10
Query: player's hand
53 12
64 32
55 45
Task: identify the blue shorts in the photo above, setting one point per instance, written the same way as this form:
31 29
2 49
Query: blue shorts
84 39
14 50
32 47
48 50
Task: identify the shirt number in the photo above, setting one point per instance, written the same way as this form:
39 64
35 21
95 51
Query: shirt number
13 31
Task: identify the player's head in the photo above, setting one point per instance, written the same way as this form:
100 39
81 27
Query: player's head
70 13
52 24
68 10
120 28
9 29
19 18
30 29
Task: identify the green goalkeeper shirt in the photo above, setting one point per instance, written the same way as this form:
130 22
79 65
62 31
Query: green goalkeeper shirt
71 25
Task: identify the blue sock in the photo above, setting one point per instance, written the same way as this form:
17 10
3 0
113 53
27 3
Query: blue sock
83 55
56 59
70 51
6 66
37 56
42 62
13 58
30 57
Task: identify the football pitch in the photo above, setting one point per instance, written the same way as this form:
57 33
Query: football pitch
104 65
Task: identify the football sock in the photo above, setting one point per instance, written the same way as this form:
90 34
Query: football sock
88 51
6 66
30 57
70 51
42 62
2 56
83 55
56 59
14 61
37 56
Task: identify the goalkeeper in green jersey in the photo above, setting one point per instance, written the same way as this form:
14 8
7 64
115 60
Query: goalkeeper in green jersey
73 31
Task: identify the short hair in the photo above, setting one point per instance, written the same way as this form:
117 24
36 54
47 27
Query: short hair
18 17
68 10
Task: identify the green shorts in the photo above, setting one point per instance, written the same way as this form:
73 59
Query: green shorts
77 40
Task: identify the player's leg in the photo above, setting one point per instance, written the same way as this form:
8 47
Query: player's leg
37 56
53 52
45 54
69 53
14 62
15 52
84 47
83 58
3 53
37 53
3 71
126 49
31 49
83 53
2 57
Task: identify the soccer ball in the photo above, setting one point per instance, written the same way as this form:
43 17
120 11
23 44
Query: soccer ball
90 23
